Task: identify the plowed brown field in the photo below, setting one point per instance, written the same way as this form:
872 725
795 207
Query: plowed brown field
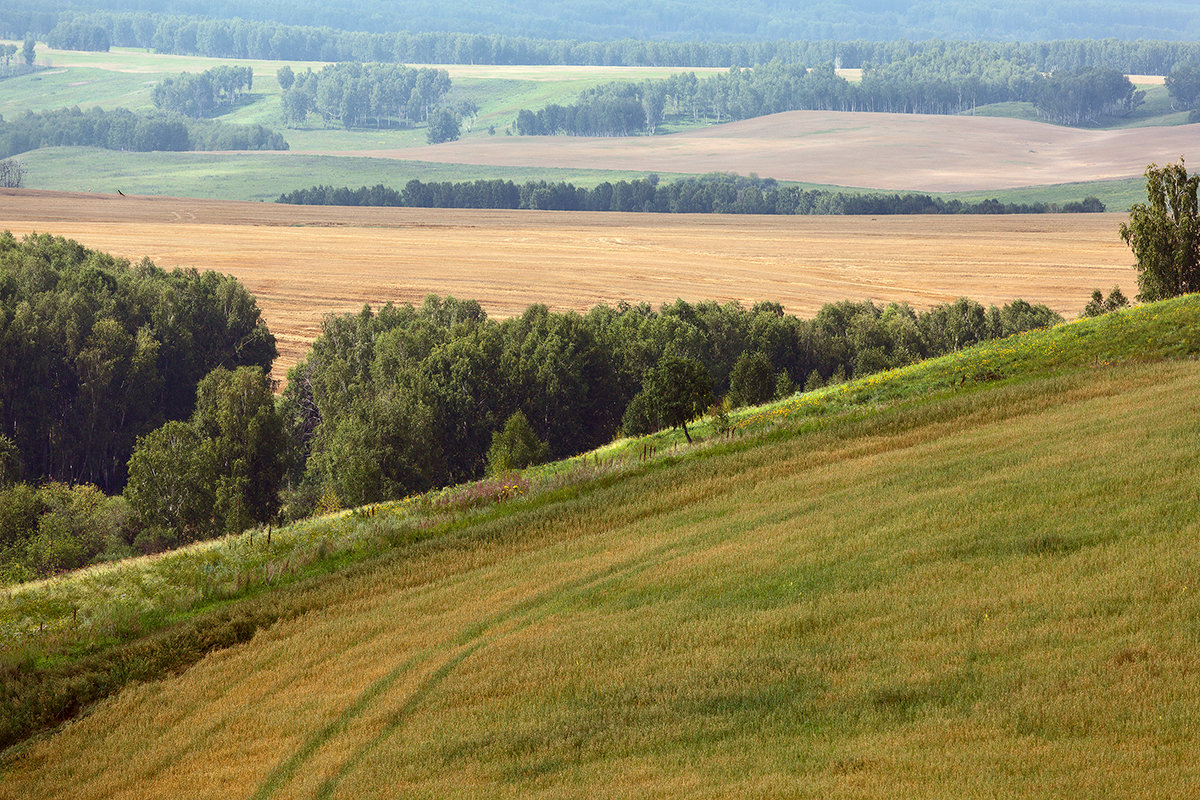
886 151
303 262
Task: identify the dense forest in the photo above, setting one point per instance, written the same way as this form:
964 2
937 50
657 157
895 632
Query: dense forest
716 193
695 20
245 37
121 129
914 86
98 351
125 378
95 355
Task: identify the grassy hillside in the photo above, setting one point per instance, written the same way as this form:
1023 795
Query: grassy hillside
970 577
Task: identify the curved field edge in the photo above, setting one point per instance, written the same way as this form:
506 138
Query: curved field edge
988 588
73 640
263 176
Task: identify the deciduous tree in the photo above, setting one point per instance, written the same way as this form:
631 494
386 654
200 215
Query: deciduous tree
680 389
1164 233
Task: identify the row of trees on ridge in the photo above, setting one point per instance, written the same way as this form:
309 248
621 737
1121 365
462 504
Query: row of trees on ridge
122 129
624 108
101 361
718 193
153 384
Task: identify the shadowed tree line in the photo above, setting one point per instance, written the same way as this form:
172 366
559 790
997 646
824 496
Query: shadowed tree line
121 129
716 193
95 354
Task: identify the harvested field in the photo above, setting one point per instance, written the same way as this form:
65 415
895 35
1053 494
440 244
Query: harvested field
898 152
303 262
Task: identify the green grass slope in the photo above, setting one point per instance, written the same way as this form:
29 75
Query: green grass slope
975 576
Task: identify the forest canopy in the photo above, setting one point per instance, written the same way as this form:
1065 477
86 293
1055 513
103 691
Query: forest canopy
95 352
696 20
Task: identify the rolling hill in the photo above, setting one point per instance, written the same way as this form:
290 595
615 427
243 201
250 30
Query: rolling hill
901 152
974 576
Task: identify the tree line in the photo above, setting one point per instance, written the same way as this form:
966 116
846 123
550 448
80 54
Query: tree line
126 378
121 129
290 33
396 401
205 94
97 351
912 86
357 94
716 193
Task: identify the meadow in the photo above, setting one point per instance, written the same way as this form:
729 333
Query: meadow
124 78
972 576
302 262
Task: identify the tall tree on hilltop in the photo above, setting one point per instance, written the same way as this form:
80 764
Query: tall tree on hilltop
1164 233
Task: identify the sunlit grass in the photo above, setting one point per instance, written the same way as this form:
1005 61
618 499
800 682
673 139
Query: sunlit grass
991 594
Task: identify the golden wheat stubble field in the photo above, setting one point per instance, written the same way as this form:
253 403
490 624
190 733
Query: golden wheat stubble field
303 262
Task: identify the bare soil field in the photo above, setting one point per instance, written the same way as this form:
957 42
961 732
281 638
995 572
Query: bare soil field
887 151
303 262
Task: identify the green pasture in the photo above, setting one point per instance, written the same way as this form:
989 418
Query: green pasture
266 175
124 77
972 577
1117 195
258 176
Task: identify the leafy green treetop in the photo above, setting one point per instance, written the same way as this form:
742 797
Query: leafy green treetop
1164 233
443 127
680 389
516 447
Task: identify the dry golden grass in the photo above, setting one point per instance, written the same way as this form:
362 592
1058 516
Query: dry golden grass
900 152
303 262
993 596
